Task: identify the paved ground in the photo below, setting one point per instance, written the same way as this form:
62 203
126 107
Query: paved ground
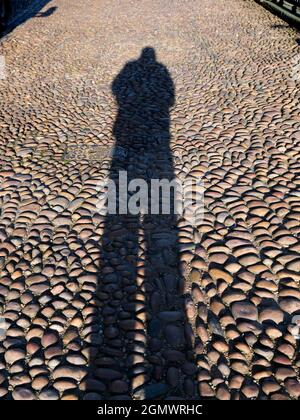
119 307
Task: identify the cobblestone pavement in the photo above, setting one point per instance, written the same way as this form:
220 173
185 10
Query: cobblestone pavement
118 307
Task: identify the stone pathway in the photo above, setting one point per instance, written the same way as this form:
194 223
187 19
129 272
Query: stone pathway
122 307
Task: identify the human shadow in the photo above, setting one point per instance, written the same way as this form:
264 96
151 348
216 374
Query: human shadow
46 13
145 337
13 14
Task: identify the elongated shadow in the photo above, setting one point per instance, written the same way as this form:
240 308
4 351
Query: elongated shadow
14 13
144 347
46 13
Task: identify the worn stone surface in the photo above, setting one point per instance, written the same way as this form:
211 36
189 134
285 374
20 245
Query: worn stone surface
101 307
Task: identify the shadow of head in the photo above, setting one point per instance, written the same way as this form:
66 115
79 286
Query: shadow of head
148 54
47 12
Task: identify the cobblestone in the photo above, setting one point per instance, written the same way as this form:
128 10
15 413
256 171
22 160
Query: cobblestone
102 306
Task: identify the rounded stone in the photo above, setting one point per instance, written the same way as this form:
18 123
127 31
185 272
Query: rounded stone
20 393
13 355
244 310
